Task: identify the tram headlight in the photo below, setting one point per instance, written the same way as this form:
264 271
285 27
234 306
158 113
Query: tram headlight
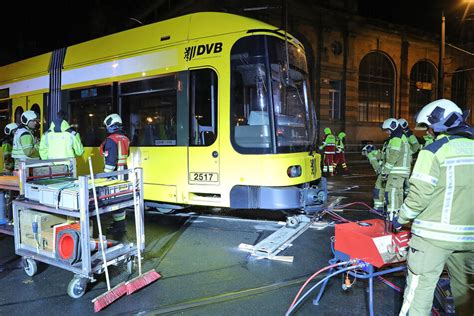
294 171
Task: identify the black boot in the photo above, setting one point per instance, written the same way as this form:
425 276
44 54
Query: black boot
117 229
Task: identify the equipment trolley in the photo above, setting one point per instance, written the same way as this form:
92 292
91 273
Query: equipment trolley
87 264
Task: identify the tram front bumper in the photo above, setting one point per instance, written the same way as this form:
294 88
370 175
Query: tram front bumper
279 198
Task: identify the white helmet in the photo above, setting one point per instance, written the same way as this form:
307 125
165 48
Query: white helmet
390 124
403 123
112 119
10 128
28 116
440 115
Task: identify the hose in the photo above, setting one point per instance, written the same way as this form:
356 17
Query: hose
313 276
292 308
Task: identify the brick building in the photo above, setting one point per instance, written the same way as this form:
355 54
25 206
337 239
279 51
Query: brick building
364 70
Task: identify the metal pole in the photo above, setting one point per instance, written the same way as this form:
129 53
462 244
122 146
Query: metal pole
441 58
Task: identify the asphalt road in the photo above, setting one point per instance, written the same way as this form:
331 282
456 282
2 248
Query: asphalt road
205 273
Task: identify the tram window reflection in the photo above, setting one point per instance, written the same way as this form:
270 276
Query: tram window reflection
88 108
149 111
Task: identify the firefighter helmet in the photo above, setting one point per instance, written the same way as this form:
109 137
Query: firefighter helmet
403 123
390 124
28 116
10 128
113 122
440 115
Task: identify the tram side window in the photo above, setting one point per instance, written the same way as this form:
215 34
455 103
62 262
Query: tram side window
4 115
203 107
149 109
88 108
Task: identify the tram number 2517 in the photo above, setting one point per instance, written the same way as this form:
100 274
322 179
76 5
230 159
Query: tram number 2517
203 177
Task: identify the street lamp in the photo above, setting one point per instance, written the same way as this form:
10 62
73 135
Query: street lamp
441 58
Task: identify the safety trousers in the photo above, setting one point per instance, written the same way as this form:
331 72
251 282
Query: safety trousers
425 265
328 164
121 215
379 193
394 192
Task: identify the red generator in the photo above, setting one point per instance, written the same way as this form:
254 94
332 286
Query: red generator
370 241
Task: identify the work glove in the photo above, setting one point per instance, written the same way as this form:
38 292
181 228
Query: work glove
367 149
395 224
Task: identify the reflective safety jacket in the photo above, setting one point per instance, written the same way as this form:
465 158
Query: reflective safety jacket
376 158
8 161
442 192
428 139
115 150
60 141
415 146
329 142
397 157
25 145
340 142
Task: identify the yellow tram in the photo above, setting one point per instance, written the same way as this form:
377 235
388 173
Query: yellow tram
217 107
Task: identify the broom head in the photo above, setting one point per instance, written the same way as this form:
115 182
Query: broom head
141 281
104 300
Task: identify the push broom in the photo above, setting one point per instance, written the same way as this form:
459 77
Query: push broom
111 295
143 279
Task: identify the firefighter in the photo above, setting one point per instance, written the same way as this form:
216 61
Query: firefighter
396 164
25 144
415 146
7 145
339 157
440 206
115 150
376 157
412 140
60 140
329 146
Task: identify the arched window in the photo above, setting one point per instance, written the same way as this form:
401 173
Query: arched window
422 86
459 89
17 115
376 88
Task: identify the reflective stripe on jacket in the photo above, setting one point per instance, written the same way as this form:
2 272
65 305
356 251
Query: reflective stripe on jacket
442 192
24 144
115 150
397 157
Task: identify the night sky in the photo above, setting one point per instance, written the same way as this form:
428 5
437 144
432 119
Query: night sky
38 28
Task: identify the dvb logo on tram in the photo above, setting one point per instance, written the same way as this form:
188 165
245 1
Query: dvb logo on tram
198 50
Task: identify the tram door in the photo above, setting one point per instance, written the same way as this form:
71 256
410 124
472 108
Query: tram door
203 150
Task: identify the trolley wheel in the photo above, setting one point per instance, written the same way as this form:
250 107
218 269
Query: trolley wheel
30 266
77 287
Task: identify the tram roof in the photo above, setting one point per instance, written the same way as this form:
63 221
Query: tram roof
135 41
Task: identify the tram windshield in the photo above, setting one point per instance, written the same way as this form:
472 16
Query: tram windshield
270 99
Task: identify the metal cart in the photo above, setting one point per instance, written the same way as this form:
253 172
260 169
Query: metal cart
89 265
